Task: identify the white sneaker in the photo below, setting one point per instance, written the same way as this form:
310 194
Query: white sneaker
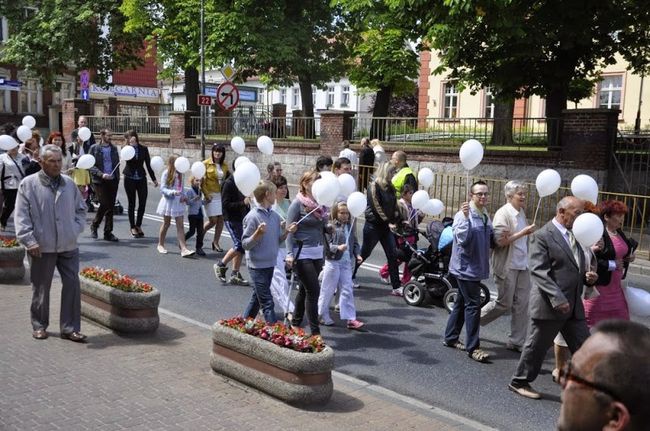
187 253
162 250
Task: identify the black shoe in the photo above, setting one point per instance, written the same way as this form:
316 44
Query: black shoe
93 232
110 237
200 252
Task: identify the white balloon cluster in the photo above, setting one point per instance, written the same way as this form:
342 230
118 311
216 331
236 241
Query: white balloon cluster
326 190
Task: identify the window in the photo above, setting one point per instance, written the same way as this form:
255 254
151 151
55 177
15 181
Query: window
295 97
66 90
132 111
488 103
283 96
313 95
345 95
609 95
450 107
30 97
330 96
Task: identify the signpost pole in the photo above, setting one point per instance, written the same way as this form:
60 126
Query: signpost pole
201 107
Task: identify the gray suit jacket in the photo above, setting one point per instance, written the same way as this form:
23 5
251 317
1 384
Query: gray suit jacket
557 277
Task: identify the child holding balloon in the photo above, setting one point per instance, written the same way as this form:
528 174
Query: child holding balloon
195 213
341 248
172 204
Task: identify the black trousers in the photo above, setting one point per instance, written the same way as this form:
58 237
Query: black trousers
8 205
307 271
196 225
135 188
106 192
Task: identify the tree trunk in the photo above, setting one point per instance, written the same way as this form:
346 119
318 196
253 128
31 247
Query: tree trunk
555 104
378 127
191 89
306 97
502 129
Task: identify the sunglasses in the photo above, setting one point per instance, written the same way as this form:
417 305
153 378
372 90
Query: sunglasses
567 373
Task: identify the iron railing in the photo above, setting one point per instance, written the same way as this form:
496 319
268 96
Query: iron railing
250 126
527 133
120 124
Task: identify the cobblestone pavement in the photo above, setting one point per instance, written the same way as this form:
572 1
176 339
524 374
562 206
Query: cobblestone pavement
164 382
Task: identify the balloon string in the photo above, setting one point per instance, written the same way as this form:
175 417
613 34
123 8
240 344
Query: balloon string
115 168
347 237
536 210
467 185
307 215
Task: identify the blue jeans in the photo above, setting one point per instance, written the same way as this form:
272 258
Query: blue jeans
261 278
467 310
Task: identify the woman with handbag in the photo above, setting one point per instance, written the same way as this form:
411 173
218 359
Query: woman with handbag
613 258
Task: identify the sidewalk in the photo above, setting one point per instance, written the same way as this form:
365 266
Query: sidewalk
164 381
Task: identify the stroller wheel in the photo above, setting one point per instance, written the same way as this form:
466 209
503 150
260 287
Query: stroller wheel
450 299
414 293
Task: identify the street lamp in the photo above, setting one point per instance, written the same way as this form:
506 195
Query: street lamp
201 107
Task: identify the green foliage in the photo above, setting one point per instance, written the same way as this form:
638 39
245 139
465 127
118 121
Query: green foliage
48 38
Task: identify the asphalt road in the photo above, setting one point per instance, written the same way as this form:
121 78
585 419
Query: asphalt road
400 349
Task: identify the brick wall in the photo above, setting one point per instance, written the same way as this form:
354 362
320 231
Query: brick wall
423 88
588 136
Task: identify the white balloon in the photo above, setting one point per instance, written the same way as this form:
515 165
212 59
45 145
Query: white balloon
419 199
86 161
24 133
638 301
7 143
247 176
434 207
182 165
378 149
157 163
587 228
326 190
471 154
41 142
265 145
238 145
425 177
547 182
357 203
198 170
29 121
327 174
241 159
84 133
585 187
347 183
127 152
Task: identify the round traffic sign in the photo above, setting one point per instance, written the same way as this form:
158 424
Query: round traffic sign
227 96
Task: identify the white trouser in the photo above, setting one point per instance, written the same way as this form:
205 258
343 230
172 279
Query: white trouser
280 285
337 273
513 292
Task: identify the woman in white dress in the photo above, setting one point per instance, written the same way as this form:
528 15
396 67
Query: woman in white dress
172 204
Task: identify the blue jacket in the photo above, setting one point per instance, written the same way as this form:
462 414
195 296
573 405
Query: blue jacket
470 254
194 201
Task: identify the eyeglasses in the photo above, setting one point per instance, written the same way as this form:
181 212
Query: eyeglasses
481 194
567 374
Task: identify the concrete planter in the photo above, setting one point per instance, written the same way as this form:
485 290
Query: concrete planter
12 266
294 377
119 310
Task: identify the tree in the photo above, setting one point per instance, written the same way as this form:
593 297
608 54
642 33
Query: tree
279 40
48 38
552 48
382 59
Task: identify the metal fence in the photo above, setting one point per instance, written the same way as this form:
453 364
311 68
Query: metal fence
120 124
630 167
526 132
251 126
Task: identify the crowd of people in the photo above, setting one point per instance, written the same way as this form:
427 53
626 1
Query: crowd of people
555 290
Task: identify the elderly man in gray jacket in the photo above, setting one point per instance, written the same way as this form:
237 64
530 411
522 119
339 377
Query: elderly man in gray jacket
50 214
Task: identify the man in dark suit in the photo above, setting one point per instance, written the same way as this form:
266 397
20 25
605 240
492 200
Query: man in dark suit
105 178
557 266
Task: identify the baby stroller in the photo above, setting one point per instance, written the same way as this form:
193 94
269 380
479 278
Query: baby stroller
92 202
430 269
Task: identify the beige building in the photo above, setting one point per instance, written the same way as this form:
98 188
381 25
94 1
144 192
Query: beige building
621 89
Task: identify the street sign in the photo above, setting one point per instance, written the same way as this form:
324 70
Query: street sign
227 96
204 100
84 94
84 79
228 72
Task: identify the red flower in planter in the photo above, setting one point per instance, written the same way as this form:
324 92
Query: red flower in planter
277 333
8 242
112 278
